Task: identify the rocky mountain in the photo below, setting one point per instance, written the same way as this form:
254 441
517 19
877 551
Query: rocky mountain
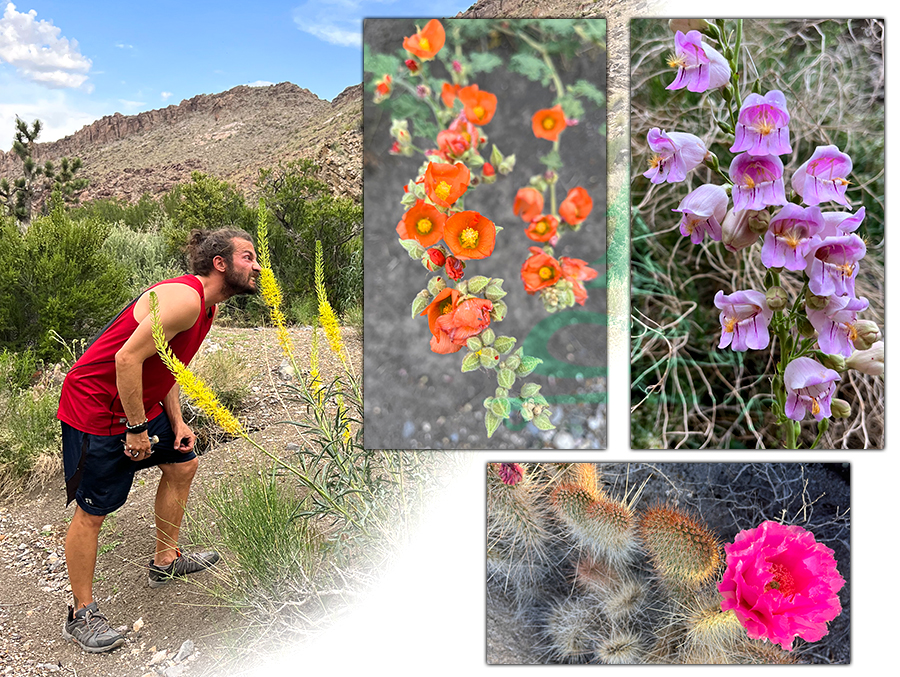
231 135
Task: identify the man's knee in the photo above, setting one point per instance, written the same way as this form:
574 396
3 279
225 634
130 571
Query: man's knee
180 472
85 520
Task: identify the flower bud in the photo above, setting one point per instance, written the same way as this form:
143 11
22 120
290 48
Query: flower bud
457 66
434 258
805 327
869 361
736 232
436 285
758 221
814 302
867 333
840 408
687 25
455 268
835 362
412 65
776 298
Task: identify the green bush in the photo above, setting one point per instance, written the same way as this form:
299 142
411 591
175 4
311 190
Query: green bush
28 429
62 281
140 215
144 256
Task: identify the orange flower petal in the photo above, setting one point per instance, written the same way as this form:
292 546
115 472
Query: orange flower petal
427 42
446 183
548 123
470 235
576 207
542 228
528 204
479 106
423 222
539 271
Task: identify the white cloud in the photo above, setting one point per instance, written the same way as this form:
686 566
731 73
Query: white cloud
131 106
59 115
165 95
260 83
122 45
38 52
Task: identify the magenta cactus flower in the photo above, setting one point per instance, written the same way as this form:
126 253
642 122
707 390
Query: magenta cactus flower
833 263
510 473
835 324
790 237
823 177
745 320
674 155
762 127
758 181
810 387
700 67
781 583
703 210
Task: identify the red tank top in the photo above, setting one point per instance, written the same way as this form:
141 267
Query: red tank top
90 400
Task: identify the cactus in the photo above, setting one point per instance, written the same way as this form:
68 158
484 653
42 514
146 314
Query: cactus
605 582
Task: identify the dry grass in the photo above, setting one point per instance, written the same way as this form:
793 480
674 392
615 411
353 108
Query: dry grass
685 392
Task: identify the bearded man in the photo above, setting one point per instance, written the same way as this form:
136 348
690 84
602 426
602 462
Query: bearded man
117 397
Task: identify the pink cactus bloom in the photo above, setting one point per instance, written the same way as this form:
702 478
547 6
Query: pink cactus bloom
762 127
674 155
703 210
842 223
758 181
781 583
510 473
700 67
833 263
823 177
810 387
745 320
790 237
835 324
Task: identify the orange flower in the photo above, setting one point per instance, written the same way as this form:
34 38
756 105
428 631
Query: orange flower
542 228
448 93
443 304
540 270
427 42
470 235
479 106
466 320
548 123
576 270
423 222
384 85
576 207
528 204
445 184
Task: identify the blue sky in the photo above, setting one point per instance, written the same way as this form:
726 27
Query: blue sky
70 63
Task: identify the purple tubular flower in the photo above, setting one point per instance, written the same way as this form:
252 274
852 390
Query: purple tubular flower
810 387
700 67
762 127
758 181
832 265
842 223
823 177
674 155
790 237
702 212
835 324
745 320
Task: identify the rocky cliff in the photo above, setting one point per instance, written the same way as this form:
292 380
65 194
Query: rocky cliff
231 135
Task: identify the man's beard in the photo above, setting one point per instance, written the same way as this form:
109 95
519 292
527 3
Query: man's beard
236 285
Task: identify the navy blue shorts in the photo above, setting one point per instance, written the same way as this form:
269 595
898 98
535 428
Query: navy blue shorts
99 474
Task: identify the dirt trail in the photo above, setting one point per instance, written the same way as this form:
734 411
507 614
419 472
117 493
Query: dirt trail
34 591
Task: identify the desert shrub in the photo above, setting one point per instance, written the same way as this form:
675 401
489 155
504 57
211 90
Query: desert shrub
64 283
144 256
140 215
353 316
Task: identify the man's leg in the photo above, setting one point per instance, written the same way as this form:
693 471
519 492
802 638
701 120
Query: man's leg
171 497
81 555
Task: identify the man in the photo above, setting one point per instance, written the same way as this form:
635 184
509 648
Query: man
117 397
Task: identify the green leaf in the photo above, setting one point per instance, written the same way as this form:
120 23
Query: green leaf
503 344
474 344
542 421
477 283
413 248
552 160
528 365
506 378
501 407
587 90
529 390
470 362
379 64
483 62
531 67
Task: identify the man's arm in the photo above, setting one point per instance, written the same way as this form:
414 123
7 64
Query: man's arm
179 307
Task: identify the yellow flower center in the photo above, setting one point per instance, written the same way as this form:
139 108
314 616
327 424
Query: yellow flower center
423 226
548 123
479 112
545 272
815 407
446 306
749 183
424 44
676 61
442 190
655 160
729 324
541 226
851 331
469 238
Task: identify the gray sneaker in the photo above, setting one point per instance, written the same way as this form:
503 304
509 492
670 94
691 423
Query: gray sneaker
181 566
90 630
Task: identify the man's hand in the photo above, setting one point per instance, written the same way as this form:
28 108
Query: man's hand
137 446
184 437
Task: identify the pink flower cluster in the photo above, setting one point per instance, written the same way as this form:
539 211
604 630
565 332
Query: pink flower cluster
781 584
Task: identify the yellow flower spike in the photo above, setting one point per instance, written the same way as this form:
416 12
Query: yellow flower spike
327 318
268 285
193 387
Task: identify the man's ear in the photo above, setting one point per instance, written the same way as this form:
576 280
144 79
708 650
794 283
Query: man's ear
219 263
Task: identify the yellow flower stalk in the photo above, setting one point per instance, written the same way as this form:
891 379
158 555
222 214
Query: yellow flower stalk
193 387
327 318
268 285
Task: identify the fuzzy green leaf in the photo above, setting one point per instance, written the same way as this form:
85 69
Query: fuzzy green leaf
501 407
542 421
529 390
491 422
503 344
413 248
470 362
506 378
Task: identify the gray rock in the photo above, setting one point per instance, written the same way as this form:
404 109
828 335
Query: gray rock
187 648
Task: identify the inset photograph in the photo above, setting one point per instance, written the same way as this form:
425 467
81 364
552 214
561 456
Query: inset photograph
757 234
485 233
668 563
